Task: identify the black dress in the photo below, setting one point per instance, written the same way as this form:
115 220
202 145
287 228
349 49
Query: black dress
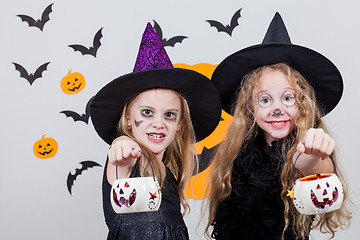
167 223
254 210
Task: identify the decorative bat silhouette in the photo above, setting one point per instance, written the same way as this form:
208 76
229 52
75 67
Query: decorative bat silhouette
77 117
40 22
228 28
206 155
91 50
172 41
31 77
205 158
84 166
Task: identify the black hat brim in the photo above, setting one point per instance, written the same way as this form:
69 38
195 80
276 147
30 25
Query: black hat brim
203 100
318 70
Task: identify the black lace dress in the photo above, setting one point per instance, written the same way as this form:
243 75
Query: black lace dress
254 210
165 224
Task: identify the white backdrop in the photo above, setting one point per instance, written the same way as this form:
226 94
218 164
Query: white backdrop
35 202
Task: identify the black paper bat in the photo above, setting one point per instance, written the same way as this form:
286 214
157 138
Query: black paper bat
40 22
228 29
77 117
172 41
84 166
91 50
32 76
205 158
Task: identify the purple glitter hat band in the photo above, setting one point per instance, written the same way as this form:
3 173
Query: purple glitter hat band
152 53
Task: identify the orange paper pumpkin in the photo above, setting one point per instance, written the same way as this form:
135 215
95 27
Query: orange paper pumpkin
72 83
45 147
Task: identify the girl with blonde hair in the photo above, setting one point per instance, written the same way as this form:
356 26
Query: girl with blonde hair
159 112
283 90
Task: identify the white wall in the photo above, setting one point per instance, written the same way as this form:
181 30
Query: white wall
34 199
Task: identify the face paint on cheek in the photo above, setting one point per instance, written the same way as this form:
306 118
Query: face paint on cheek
268 126
137 123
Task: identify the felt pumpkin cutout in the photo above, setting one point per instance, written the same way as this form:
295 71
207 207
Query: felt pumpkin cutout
138 194
45 147
199 182
72 83
320 193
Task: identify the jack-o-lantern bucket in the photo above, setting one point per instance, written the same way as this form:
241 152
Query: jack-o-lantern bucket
320 193
138 194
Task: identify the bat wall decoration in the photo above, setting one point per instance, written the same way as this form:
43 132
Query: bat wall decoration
85 165
92 50
228 28
31 77
197 187
205 158
77 117
172 41
40 23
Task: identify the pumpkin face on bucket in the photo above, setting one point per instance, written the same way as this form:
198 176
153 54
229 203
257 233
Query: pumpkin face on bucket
139 194
320 193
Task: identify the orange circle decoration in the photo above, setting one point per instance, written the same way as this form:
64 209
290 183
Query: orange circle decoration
72 83
199 182
45 147
205 69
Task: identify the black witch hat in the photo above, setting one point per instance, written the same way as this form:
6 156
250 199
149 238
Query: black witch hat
153 69
276 47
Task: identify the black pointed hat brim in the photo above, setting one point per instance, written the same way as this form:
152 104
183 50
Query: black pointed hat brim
318 70
202 98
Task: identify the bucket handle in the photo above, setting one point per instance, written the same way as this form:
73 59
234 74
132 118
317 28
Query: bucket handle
152 169
298 158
